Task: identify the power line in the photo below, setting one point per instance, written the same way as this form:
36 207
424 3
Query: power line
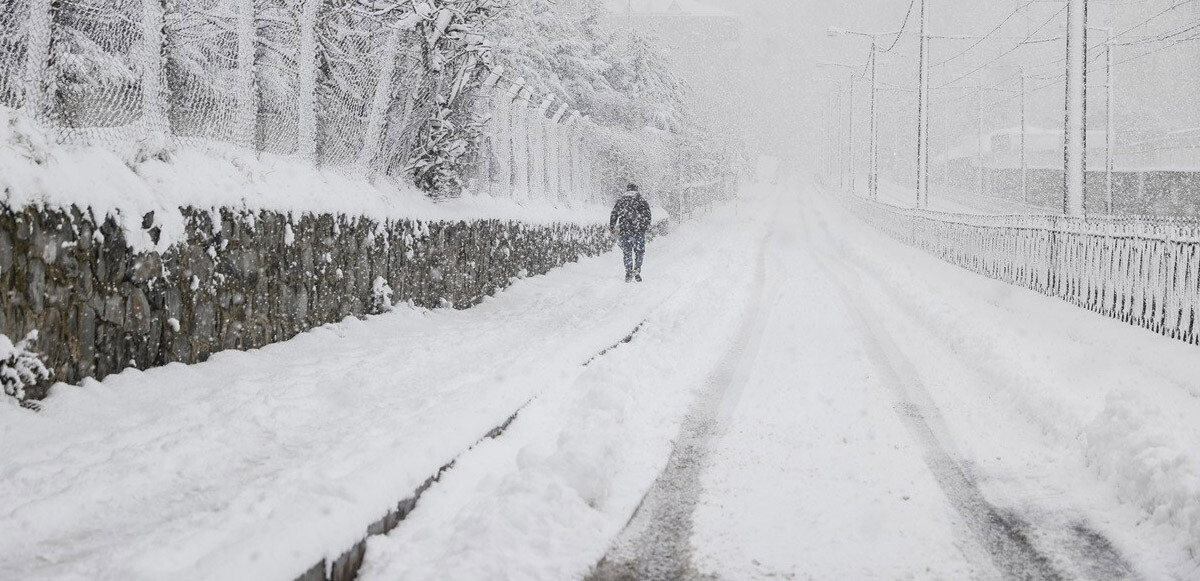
1098 47
1162 37
988 35
1161 48
1151 19
903 26
1009 51
1054 80
1057 79
1028 40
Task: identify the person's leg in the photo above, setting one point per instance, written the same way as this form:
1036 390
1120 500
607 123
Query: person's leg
627 247
639 250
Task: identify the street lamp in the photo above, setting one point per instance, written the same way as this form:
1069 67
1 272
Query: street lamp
849 167
834 32
923 104
1108 115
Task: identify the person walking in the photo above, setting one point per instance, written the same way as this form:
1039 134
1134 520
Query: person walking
630 221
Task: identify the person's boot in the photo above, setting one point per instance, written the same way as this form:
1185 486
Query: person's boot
628 277
637 275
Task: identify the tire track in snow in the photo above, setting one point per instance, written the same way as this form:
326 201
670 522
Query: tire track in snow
1006 536
346 567
628 339
655 544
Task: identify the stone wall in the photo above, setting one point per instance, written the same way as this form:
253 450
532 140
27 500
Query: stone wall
243 280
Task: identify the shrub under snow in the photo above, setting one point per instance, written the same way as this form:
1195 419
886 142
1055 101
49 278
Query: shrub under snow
381 297
20 367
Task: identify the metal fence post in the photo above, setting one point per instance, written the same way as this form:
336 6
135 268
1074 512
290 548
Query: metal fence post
502 124
37 57
520 130
379 103
306 72
154 95
247 93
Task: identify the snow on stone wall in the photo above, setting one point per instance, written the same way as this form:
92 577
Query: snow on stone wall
242 279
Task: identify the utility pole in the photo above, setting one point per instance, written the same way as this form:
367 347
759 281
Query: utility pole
923 114
979 143
1024 130
846 159
1109 113
830 131
949 139
841 142
851 152
874 179
1109 127
1074 127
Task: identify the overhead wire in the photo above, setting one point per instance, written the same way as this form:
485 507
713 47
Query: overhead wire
1173 38
1101 47
903 27
1007 52
981 39
1152 18
1058 78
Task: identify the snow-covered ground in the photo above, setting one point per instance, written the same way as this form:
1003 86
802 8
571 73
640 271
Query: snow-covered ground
889 416
841 407
1078 432
256 465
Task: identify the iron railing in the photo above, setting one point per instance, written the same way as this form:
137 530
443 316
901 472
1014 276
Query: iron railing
1141 270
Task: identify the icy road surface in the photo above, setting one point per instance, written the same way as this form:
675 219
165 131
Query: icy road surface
799 397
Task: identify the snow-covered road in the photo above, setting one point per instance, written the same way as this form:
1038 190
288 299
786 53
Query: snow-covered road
873 414
802 398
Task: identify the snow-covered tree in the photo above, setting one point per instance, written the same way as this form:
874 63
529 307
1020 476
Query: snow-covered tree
641 74
620 80
570 49
20 367
434 110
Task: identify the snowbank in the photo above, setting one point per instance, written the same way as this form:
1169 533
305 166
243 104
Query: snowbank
1132 445
34 171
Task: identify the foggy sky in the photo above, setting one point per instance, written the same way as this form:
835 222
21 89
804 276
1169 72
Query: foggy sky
783 39
789 97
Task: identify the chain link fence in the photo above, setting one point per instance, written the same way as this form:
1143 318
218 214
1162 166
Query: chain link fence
304 79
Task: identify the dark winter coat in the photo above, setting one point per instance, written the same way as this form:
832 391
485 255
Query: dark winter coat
631 216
